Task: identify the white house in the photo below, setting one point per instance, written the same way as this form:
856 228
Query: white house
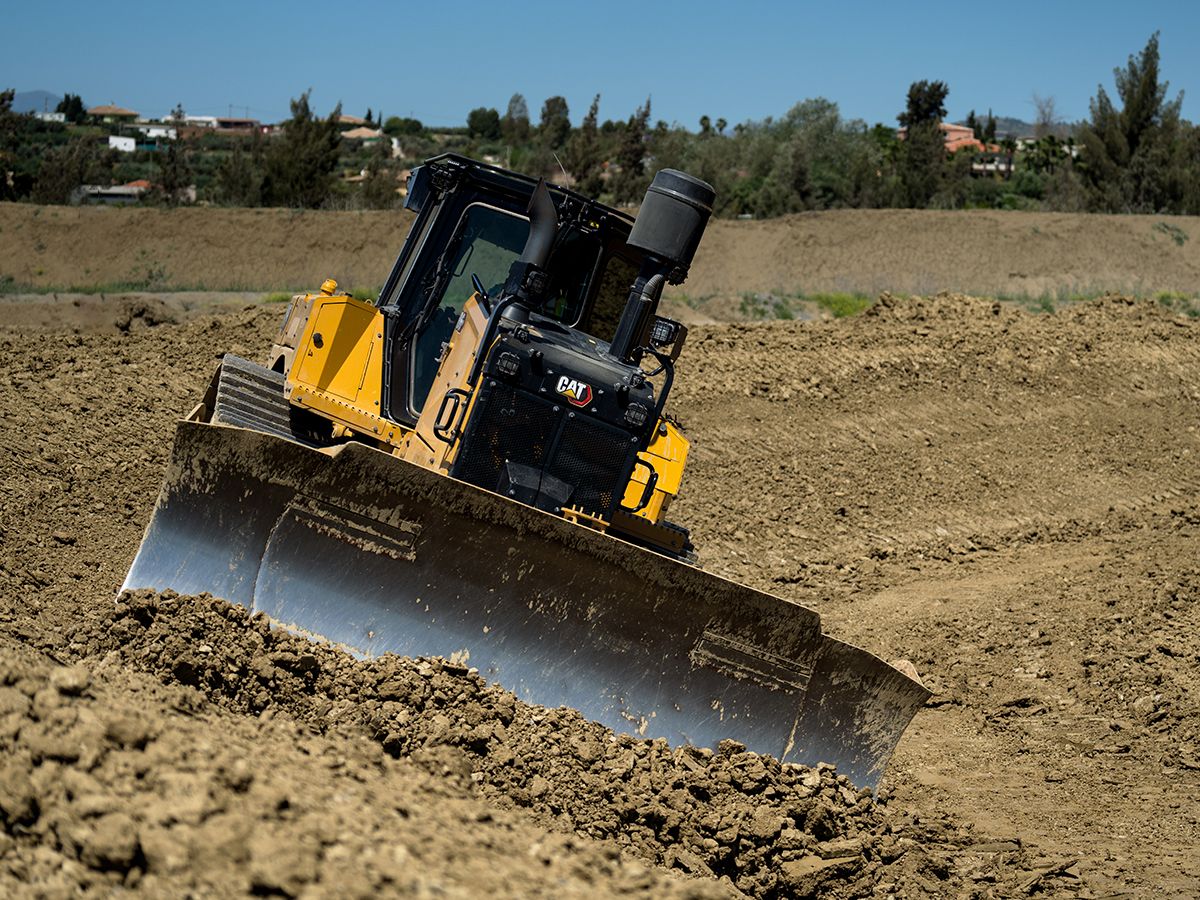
154 130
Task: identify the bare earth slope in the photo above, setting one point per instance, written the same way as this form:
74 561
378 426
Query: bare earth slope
903 251
1005 498
1010 500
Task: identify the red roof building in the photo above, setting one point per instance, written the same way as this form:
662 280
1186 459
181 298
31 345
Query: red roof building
957 137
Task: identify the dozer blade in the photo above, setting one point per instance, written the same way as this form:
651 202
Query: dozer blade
370 552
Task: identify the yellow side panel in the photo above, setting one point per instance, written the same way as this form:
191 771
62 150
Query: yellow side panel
339 355
667 453
425 448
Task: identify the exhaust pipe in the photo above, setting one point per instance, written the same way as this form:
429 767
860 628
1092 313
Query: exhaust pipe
668 229
527 276
543 226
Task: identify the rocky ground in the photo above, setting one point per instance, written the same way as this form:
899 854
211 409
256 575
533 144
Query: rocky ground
1007 499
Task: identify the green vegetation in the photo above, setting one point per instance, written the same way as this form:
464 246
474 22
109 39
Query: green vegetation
1176 301
1184 304
783 305
1135 153
1174 232
840 305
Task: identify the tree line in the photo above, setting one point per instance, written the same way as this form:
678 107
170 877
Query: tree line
1134 153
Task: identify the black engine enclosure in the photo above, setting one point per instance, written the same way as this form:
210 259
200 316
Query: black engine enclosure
557 422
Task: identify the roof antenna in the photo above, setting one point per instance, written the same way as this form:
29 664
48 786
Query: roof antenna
561 166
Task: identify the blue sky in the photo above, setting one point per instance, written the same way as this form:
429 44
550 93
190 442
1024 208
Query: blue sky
740 61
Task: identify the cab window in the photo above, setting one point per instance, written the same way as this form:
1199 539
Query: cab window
611 295
486 243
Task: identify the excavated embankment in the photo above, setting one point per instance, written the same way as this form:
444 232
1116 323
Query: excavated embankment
1005 498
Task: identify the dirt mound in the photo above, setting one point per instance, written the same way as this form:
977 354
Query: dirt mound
771 830
77 313
1008 499
858 251
730 817
111 779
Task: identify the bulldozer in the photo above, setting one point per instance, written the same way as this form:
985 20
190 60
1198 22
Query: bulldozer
479 465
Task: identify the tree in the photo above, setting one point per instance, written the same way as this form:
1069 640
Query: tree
484 123
174 174
177 114
1045 116
721 126
1133 155
299 165
630 183
396 126
239 177
379 189
926 104
972 122
65 168
989 129
514 127
705 126
555 124
582 154
368 117
924 151
9 144
72 108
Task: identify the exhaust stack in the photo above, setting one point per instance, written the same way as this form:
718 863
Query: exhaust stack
668 228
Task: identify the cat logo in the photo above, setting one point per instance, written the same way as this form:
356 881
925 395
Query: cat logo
578 393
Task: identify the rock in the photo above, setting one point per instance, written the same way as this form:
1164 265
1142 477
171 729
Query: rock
71 680
730 747
1144 707
764 824
163 850
804 876
279 866
792 839
18 802
130 732
842 849
538 786
110 843
679 858
63 537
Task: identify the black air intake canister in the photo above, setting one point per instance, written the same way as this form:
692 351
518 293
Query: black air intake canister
672 218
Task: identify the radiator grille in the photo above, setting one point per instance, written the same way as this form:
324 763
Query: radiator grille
513 425
591 457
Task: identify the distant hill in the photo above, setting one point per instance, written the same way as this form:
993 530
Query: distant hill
1009 126
35 101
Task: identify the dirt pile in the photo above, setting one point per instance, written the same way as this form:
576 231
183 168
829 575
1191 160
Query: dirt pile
1007 499
114 780
864 251
732 816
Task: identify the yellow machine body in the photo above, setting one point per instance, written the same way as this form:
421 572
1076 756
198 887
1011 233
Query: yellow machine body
336 372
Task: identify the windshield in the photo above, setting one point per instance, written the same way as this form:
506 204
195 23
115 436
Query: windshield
487 242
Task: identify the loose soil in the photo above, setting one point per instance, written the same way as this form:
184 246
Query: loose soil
863 251
1007 499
